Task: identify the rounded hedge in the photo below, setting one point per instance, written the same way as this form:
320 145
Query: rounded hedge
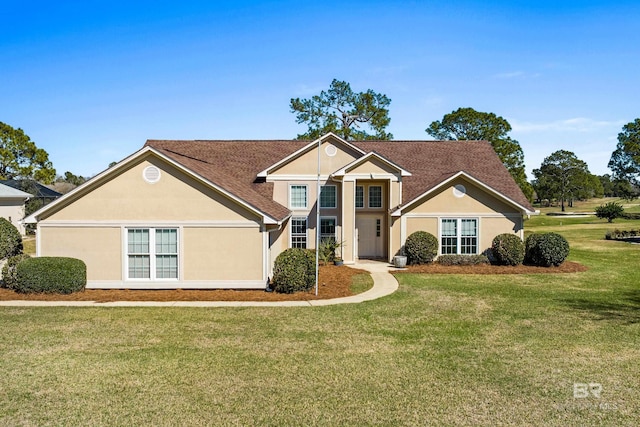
546 249
508 249
294 270
51 275
10 239
10 271
421 247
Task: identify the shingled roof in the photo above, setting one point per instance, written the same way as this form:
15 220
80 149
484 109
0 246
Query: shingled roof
234 165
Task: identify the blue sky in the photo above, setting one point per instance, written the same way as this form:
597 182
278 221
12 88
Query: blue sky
90 81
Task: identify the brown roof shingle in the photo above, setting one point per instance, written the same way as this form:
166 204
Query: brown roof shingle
233 165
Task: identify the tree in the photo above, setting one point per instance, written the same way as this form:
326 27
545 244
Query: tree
561 176
610 211
469 124
341 111
71 179
21 158
625 160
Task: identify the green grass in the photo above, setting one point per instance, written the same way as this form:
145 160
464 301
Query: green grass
442 350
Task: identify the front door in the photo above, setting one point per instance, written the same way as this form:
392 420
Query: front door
370 236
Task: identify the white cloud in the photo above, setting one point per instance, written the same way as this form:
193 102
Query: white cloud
516 74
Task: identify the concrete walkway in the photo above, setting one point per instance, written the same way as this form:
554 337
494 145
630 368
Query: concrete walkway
383 284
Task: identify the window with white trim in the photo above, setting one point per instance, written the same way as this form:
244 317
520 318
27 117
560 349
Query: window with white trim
375 196
152 253
299 232
459 236
328 196
328 228
359 196
298 196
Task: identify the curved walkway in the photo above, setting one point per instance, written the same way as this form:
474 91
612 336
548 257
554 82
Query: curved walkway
383 284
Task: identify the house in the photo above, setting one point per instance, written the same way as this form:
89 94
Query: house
39 191
12 203
216 214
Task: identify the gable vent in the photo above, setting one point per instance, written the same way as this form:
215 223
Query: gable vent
331 150
151 174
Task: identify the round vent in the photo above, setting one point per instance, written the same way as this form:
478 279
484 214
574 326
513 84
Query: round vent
459 190
331 150
151 174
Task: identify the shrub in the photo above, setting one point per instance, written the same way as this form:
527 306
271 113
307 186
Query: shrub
621 234
610 211
10 239
546 249
294 270
51 275
508 249
421 247
9 271
463 259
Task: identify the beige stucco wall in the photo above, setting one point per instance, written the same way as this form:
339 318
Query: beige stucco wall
476 200
13 211
307 163
210 254
99 247
176 197
494 216
348 222
373 165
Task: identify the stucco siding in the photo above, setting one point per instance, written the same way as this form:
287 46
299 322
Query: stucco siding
475 201
222 254
99 247
175 197
13 211
307 163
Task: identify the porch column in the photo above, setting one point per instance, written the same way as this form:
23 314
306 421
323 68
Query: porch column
348 221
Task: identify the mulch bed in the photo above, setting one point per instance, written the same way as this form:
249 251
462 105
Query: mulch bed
565 267
334 282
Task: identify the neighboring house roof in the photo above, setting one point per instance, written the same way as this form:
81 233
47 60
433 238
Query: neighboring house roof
41 191
235 165
7 192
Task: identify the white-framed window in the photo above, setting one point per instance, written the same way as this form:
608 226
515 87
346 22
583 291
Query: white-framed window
359 196
375 196
299 232
152 253
298 196
328 196
459 236
328 228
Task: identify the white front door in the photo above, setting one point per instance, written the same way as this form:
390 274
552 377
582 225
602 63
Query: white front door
370 236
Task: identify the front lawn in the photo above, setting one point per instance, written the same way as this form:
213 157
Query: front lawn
442 350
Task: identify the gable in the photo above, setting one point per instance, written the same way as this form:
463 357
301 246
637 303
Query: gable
373 166
334 154
126 195
460 196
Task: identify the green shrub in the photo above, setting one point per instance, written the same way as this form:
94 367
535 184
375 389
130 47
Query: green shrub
621 234
10 271
610 211
546 249
508 249
421 247
51 275
294 270
463 259
10 239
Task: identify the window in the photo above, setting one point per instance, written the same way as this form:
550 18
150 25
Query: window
328 196
375 196
359 196
328 228
152 253
299 232
298 196
459 236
